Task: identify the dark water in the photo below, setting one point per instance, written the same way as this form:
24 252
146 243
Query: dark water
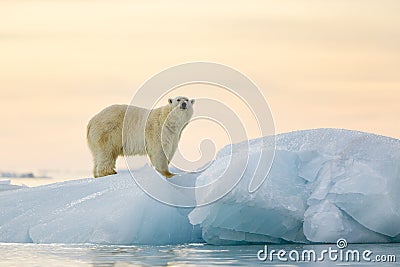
184 255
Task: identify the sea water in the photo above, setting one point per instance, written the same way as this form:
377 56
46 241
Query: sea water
191 255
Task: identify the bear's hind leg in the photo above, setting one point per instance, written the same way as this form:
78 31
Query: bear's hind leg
105 165
95 175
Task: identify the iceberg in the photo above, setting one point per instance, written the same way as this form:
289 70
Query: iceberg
324 184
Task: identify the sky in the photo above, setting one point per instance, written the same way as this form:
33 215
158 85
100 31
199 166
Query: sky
318 63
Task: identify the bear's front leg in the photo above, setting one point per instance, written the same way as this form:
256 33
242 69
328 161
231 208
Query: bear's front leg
163 169
166 174
160 163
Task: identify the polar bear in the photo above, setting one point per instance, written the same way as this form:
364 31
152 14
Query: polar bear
154 132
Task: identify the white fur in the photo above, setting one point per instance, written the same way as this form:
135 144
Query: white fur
153 132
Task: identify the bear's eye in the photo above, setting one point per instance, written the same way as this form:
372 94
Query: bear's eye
178 100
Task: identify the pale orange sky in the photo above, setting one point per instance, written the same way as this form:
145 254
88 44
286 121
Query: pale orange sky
319 64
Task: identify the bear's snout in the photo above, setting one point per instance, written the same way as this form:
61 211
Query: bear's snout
183 105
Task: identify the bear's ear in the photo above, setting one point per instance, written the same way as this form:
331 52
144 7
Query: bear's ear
170 100
192 101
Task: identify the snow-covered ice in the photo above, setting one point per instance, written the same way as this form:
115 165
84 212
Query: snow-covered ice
108 210
324 184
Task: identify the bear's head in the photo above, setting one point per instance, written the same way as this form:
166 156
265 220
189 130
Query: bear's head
181 102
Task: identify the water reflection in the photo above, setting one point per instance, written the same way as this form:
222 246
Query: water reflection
64 255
